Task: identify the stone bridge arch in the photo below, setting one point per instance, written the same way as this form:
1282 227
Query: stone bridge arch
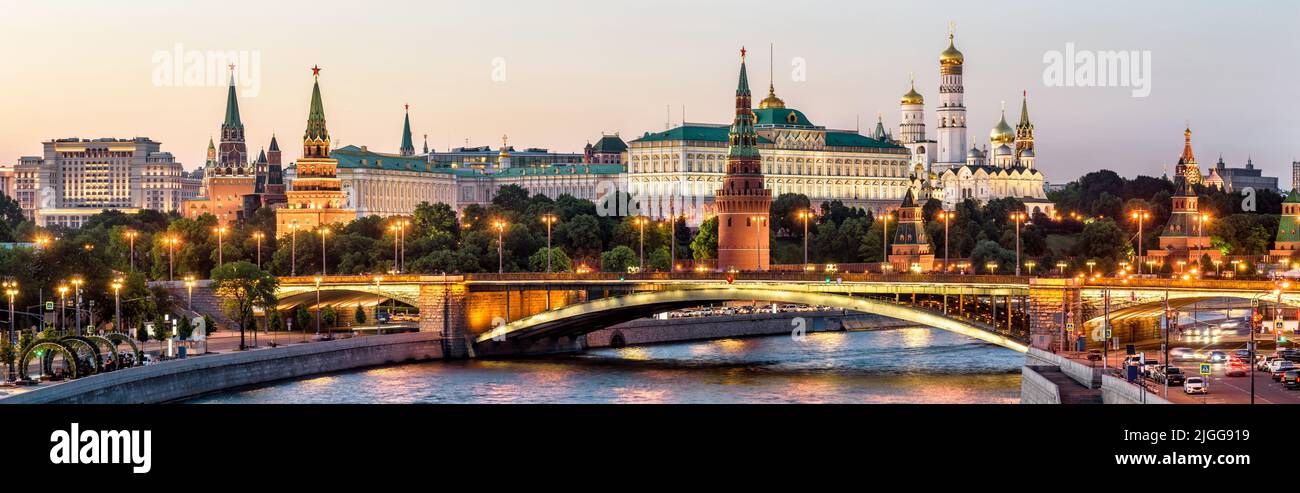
580 318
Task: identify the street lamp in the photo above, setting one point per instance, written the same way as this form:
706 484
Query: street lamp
76 302
221 232
378 301
1030 265
1060 268
1018 217
640 223
805 216
293 249
1217 263
171 242
1090 264
323 233
548 219
403 225
130 235
318 279
500 226
884 238
946 217
117 304
189 292
11 290
991 266
63 305
257 235
1139 215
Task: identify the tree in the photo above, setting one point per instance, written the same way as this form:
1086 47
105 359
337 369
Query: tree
659 260
7 355
990 251
329 317
360 315
705 244
208 325
243 286
618 259
303 318
184 329
1103 240
582 235
785 214
559 261
511 197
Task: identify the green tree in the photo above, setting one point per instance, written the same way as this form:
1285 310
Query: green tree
1103 240
243 286
785 214
183 327
7 355
618 259
329 317
705 244
360 315
660 260
559 261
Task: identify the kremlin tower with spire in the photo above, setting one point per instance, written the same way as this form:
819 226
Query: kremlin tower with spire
743 203
231 183
316 198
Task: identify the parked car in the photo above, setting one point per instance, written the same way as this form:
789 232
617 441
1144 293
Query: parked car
1195 385
1279 367
1149 369
1171 374
1265 363
1242 354
1291 379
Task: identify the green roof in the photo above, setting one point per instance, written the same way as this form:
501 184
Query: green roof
232 107
1292 197
781 117
852 139
609 143
407 145
709 133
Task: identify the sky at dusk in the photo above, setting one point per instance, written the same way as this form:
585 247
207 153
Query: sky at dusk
557 74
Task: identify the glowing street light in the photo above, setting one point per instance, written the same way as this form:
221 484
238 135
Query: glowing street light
257 235
189 288
77 282
1139 215
500 226
130 235
1060 268
324 232
946 217
1018 217
318 279
1029 264
11 290
991 266
117 303
63 304
1090 264
640 223
171 242
221 232
550 219
293 248
805 216
884 238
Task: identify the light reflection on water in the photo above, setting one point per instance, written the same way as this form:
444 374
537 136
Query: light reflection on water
896 366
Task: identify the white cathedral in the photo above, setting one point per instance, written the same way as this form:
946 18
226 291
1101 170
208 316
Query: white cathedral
947 170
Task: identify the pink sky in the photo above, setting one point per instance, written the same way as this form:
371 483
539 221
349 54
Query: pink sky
574 69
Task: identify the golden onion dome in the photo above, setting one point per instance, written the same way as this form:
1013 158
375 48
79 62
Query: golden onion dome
771 101
1002 132
951 56
913 97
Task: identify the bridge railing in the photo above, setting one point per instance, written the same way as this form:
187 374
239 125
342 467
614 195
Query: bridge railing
1151 283
753 276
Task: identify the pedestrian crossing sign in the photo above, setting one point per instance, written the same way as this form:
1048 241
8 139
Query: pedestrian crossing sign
1205 369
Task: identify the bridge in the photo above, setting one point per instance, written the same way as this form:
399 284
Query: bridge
531 312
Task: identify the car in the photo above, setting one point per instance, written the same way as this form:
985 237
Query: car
1236 368
1195 385
1243 354
1264 363
1169 374
1182 354
1291 379
1150 367
1279 367
1094 355
1218 356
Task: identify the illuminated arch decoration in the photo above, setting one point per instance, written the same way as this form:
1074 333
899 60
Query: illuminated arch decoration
592 315
79 343
118 338
46 348
108 347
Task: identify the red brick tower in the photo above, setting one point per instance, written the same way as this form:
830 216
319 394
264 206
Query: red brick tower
742 202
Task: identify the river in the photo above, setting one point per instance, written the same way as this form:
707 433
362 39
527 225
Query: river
917 365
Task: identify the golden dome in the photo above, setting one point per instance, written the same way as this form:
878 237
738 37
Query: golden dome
913 97
1002 132
771 101
951 56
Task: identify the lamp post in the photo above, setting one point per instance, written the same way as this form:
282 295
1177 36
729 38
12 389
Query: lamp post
130 235
1217 263
323 264
403 225
63 305
378 301
946 217
318 279
991 266
758 241
1090 264
76 303
171 242
884 239
257 235
1140 215
11 290
1060 268
805 216
221 232
640 223
500 226
1018 217
117 304
394 228
189 293
548 219
293 249
1030 265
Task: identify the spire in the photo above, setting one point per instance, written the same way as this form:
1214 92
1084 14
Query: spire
275 146
232 104
742 140
908 201
879 133
261 157
771 101
316 139
1187 157
212 151
408 147
1024 110
426 143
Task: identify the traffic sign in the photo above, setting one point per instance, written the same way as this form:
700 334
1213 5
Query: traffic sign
1109 334
49 306
1205 369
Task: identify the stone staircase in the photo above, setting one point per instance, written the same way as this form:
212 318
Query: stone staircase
1071 391
206 302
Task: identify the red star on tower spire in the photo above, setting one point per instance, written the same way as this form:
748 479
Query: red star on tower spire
742 52
315 70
